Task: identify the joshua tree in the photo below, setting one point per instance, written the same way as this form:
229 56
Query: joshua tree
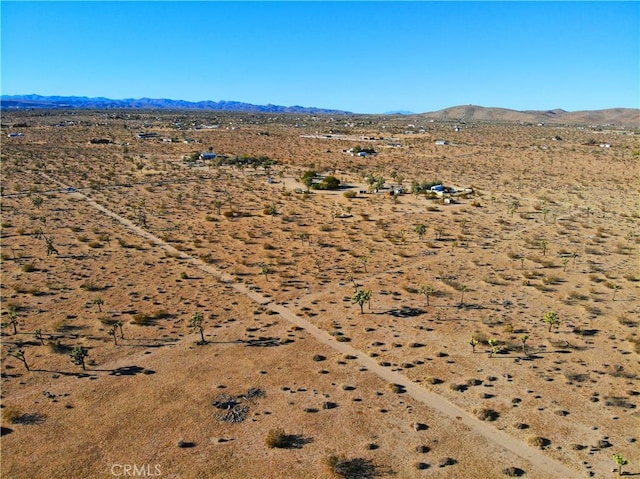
615 287
119 324
218 205
112 332
420 230
545 212
12 319
523 340
196 324
37 334
304 237
78 355
50 248
574 255
463 289
98 302
361 297
514 207
307 180
544 246
493 343
473 342
20 355
552 319
271 210
142 217
565 262
620 461
364 260
36 201
265 269
427 291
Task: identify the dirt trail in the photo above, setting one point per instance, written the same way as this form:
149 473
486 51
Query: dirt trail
538 459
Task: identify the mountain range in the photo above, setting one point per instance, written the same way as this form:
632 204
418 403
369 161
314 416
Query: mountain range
611 116
101 103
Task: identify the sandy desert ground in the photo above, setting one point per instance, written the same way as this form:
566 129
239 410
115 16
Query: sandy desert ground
449 371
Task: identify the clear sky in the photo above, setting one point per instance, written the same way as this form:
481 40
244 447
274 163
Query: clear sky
365 57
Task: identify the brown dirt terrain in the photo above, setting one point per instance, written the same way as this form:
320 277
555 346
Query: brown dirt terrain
147 238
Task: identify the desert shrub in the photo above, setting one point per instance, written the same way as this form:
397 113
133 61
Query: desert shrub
160 314
350 194
107 321
625 321
278 438
328 183
60 325
90 286
513 472
434 381
142 319
340 466
28 267
538 441
58 348
397 388
485 414
12 414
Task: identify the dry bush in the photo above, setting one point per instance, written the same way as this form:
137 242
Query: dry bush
278 438
340 466
11 414
485 414
538 441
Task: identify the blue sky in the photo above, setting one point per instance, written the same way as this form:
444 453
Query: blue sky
365 57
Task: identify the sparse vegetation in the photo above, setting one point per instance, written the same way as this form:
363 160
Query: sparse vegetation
319 250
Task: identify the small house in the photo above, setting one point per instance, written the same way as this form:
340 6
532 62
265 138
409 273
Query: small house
209 155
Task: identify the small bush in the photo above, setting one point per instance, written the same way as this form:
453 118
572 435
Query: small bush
350 194
107 321
513 472
487 414
434 381
60 325
142 319
90 286
58 348
350 468
11 414
397 388
278 438
538 441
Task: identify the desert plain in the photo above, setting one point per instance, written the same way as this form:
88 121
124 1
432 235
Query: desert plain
351 332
